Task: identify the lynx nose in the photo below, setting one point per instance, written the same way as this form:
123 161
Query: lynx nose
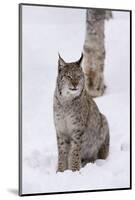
74 84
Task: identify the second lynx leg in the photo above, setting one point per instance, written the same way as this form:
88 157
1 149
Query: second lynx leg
62 153
74 161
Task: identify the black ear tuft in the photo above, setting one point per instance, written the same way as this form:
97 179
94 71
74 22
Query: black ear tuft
80 60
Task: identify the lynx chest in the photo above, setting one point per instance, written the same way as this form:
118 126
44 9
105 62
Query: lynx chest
65 121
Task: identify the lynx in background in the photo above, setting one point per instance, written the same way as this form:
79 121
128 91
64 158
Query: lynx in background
82 131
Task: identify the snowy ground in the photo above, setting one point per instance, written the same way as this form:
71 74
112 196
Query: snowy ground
45 32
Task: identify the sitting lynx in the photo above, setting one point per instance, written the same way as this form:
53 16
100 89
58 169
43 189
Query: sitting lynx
82 131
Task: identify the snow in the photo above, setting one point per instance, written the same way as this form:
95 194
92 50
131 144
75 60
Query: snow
47 31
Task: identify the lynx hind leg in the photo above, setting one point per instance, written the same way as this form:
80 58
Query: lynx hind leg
85 161
104 149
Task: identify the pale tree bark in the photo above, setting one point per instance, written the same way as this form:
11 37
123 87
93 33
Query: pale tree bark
94 50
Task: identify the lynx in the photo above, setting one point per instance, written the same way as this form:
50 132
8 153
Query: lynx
82 131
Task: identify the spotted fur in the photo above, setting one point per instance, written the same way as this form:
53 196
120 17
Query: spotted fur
82 131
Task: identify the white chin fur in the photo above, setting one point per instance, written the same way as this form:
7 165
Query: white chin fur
68 93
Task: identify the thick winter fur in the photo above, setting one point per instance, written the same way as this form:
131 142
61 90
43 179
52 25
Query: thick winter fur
82 131
94 51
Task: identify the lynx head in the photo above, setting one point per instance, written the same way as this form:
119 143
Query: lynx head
70 79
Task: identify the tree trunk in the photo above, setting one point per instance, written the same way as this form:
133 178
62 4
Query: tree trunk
94 51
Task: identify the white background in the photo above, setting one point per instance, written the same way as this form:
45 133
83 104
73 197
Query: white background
9 99
43 37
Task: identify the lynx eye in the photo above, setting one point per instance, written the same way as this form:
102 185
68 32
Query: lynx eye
79 76
69 77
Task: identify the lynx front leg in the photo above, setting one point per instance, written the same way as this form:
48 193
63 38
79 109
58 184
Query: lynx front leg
62 153
74 162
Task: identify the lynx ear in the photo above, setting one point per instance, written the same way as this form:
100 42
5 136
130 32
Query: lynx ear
61 62
80 60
